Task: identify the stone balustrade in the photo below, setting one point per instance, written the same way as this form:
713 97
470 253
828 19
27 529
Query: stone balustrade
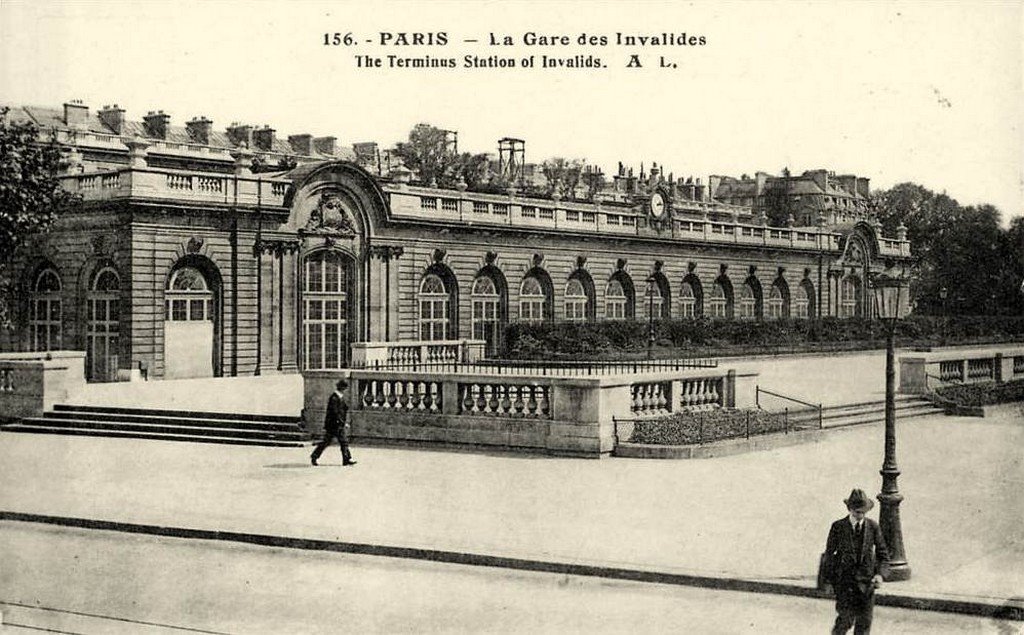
195 187
412 353
924 372
605 218
31 383
559 414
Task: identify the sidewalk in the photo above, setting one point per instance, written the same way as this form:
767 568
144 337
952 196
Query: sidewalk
755 517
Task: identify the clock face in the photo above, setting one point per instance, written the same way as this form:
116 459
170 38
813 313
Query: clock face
658 207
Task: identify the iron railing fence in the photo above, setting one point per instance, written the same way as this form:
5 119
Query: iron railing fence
815 407
700 427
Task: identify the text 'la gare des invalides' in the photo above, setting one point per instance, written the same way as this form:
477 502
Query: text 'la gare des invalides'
533 40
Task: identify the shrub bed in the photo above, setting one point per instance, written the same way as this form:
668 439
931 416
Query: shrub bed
704 336
985 394
688 428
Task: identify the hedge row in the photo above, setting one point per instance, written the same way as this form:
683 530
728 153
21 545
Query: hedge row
983 394
704 336
688 428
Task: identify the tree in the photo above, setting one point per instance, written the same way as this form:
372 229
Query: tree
429 155
31 197
963 252
563 175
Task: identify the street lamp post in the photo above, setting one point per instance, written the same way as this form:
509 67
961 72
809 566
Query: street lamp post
890 306
650 316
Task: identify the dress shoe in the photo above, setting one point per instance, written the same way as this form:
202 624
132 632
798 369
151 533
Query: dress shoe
312 459
349 462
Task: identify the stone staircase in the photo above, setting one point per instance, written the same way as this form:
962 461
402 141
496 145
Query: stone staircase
167 425
865 412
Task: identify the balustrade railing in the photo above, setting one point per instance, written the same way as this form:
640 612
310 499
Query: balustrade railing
6 380
651 398
179 182
703 393
508 400
951 371
1018 365
979 369
210 184
403 395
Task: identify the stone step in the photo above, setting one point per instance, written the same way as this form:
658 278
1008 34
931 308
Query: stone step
233 416
174 419
867 412
169 425
22 427
203 429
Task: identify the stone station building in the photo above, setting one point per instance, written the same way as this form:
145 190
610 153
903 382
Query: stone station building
192 256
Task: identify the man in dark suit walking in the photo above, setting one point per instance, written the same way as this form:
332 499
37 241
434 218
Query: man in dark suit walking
855 561
336 424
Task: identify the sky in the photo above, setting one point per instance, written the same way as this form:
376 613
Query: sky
894 91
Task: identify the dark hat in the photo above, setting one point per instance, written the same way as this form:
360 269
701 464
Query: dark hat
342 384
859 501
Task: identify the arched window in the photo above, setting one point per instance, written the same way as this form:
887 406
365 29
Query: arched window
188 296
575 301
687 301
45 312
778 304
849 298
748 302
486 314
718 302
103 326
615 301
803 300
531 300
658 296
435 305
325 311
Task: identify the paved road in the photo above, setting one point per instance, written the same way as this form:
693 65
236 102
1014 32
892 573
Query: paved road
962 480
85 581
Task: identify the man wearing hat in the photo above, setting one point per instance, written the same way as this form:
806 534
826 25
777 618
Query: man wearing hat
336 424
856 559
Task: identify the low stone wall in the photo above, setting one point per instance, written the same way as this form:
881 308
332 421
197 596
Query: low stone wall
924 372
31 383
557 415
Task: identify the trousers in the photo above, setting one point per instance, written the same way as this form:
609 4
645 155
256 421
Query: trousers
342 436
855 609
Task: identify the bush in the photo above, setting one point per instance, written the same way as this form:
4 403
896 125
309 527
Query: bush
705 336
985 394
688 428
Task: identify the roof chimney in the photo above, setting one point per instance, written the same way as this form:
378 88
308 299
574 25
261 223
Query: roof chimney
324 145
76 113
113 118
156 124
240 134
199 130
301 144
864 186
264 138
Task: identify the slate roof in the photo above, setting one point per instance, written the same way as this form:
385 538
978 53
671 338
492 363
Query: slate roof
48 118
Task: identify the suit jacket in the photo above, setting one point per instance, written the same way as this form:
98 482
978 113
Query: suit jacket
337 413
851 565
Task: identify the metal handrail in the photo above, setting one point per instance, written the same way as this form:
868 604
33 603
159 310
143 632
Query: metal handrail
757 399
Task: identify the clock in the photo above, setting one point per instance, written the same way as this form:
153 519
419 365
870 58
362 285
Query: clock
659 206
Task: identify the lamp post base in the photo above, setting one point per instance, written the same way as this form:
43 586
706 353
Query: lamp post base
898 572
892 531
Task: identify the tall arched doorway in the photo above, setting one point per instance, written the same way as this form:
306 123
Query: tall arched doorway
326 332
102 334
190 322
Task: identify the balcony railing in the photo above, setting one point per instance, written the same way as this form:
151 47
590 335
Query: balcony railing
152 183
